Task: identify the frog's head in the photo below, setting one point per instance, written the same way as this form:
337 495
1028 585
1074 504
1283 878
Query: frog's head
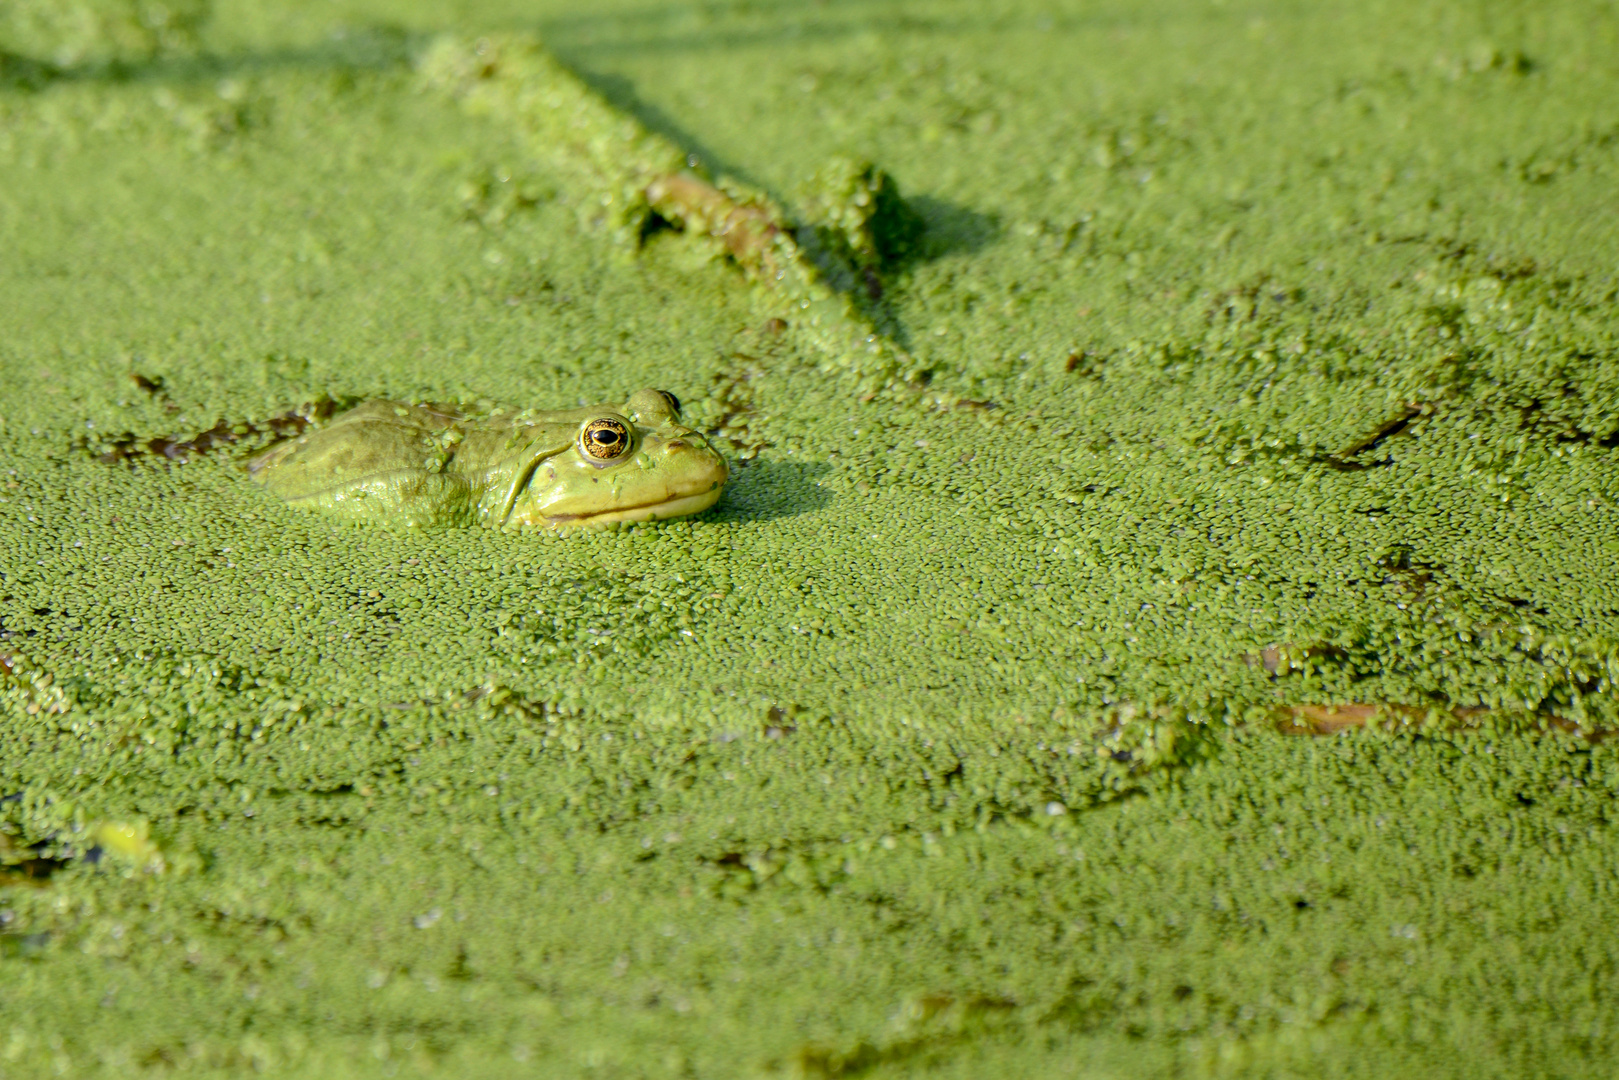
635 463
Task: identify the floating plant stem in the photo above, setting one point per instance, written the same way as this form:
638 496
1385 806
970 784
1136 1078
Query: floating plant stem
622 175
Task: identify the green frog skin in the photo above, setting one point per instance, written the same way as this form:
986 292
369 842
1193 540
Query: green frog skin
435 465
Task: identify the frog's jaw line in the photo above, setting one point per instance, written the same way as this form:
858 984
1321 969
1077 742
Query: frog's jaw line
663 511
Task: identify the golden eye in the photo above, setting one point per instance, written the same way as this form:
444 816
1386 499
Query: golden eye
605 439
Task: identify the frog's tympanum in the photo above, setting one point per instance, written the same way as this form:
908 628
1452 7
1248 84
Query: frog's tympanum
444 465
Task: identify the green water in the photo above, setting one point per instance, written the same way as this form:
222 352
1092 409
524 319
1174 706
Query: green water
932 750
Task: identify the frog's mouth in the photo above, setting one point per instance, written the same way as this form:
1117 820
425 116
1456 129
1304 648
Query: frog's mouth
659 511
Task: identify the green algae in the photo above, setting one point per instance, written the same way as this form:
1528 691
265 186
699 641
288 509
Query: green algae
931 750
100 33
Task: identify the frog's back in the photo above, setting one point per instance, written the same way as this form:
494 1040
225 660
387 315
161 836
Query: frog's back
382 459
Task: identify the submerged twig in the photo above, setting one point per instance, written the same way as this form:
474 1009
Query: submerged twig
626 177
181 448
1332 719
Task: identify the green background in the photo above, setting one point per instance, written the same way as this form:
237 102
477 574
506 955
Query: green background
933 749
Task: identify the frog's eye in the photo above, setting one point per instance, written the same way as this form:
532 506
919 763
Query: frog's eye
604 439
674 402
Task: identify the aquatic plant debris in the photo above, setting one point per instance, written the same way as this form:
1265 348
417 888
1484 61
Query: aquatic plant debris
960 738
626 174
128 447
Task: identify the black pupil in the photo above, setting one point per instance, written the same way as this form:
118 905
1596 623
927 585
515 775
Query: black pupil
605 437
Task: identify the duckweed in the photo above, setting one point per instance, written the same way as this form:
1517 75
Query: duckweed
1238 371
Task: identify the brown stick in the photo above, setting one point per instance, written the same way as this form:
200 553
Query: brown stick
1333 719
748 231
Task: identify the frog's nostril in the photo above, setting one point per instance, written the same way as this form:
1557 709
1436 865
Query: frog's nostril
677 444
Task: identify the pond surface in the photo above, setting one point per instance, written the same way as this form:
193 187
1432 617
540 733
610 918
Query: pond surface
1248 366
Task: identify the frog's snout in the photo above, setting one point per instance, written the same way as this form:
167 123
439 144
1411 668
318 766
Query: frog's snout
692 463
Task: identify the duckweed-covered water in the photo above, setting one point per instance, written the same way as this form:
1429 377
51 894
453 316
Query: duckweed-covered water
1261 355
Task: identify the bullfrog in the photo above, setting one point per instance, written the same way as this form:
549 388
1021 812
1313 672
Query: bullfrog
420 465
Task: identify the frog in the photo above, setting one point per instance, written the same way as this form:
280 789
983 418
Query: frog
428 464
